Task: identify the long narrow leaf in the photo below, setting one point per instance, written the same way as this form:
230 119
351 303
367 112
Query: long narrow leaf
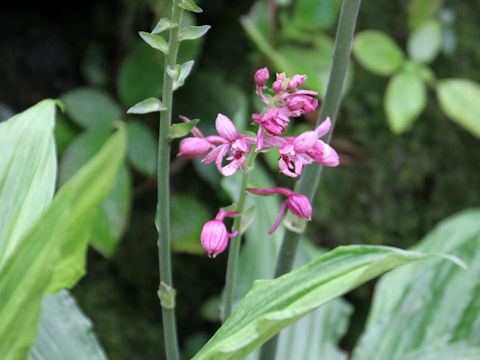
429 307
273 304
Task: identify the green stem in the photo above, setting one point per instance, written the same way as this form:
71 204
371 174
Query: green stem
310 177
163 183
235 242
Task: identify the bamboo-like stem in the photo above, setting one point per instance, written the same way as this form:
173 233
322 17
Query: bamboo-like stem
163 184
235 242
310 177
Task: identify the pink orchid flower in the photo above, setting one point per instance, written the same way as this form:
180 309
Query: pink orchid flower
297 203
230 140
305 149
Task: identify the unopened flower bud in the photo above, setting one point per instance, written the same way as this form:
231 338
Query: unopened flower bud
194 148
214 237
261 76
278 86
295 82
300 206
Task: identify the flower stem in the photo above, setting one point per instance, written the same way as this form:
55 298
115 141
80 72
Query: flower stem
235 242
310 177
163 184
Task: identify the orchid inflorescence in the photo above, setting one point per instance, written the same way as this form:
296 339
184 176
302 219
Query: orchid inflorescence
283 101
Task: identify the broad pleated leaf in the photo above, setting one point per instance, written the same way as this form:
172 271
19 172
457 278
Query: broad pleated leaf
112 217
459 100
273 304
64 331
377 52
405 99
432 306
28 168
316 335
47 246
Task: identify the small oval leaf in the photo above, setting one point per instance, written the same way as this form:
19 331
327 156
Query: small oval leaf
181 129
459 99
377 52
147 106
155 41
162 25
189 5
193 32
405 99
425 42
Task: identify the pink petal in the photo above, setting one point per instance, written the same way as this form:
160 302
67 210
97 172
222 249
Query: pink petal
324 127
279 218
225 127
305 141
212 155
221 154
269 191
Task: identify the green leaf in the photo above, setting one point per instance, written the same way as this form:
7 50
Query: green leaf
429 307
190 5
28 169
273 304
181 129
458 99
377 52
162 25
193 32
112 218
185 70
28 271
421 11
425 42
65 132
155 41
141 75
247 218
405 99
187 238
316 335
147 106
91 108
64 330
314 14
142 148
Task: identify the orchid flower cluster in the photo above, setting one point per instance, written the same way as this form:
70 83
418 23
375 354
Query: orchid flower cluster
283 101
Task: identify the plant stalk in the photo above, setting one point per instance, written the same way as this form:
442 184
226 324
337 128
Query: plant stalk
310 177
163 184
235 242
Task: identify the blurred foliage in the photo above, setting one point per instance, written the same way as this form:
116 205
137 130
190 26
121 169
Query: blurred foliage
389 190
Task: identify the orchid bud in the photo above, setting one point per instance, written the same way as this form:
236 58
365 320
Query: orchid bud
261 77
214 237
194 148
300 206
295 82
278 86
